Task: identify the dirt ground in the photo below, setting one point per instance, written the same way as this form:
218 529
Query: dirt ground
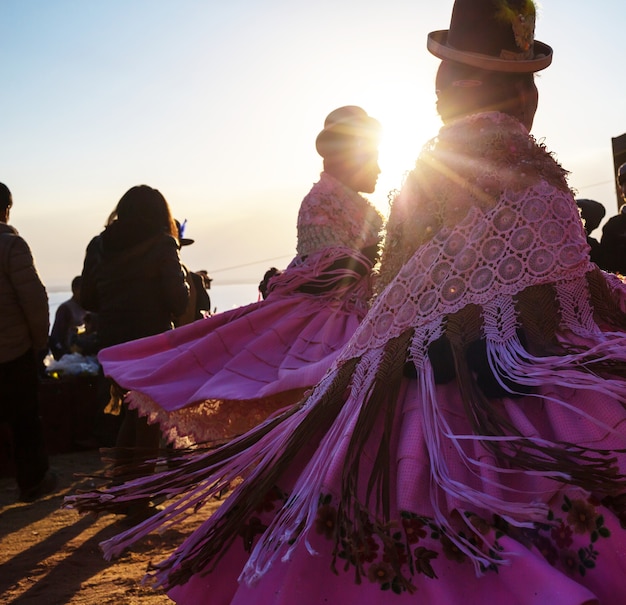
49 555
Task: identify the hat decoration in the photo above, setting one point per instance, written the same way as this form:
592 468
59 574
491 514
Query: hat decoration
494 35
181 233
347 129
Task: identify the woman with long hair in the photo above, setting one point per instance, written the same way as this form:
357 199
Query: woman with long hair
133 279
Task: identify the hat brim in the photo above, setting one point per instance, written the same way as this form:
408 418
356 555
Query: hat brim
347 136
437 44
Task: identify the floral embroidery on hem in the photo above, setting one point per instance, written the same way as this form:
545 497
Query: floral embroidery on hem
390 554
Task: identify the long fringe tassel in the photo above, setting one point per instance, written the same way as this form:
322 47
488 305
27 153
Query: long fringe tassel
604 301
299 512
318 273
359 503
190 468
205 547
438 436
593 470
374 392
209 481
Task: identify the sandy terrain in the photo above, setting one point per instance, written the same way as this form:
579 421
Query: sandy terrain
50 555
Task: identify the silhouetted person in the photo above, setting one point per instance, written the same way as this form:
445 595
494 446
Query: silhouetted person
69 317
264 283
614 232
134 281
87 341
621 180
24 323
199 305
592 213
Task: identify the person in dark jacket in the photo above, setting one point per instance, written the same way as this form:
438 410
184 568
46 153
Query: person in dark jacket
592 213
132 275
133 279
24 323
614 231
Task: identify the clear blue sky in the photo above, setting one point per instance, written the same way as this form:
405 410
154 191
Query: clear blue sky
217 104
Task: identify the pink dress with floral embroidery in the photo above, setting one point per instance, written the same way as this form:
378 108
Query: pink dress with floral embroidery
218 377
468 445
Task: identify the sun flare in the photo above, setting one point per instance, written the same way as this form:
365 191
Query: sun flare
404 134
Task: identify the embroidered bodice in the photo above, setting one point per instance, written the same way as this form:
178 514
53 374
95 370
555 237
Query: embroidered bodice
333 215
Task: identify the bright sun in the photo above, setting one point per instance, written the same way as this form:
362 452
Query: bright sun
404 134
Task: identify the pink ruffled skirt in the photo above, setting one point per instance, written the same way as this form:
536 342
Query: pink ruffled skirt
578 557
218 377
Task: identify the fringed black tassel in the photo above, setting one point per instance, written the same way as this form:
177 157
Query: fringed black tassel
357 520
538 310
241 507
187 469
592 469
606 308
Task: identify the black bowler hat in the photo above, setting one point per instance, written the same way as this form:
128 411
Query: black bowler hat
494 35
345 130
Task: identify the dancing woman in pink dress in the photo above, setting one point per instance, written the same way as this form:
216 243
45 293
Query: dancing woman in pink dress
218 377
468 445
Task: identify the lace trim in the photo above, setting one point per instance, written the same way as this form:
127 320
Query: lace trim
212 420
335 215
530 237
469 165
576 309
